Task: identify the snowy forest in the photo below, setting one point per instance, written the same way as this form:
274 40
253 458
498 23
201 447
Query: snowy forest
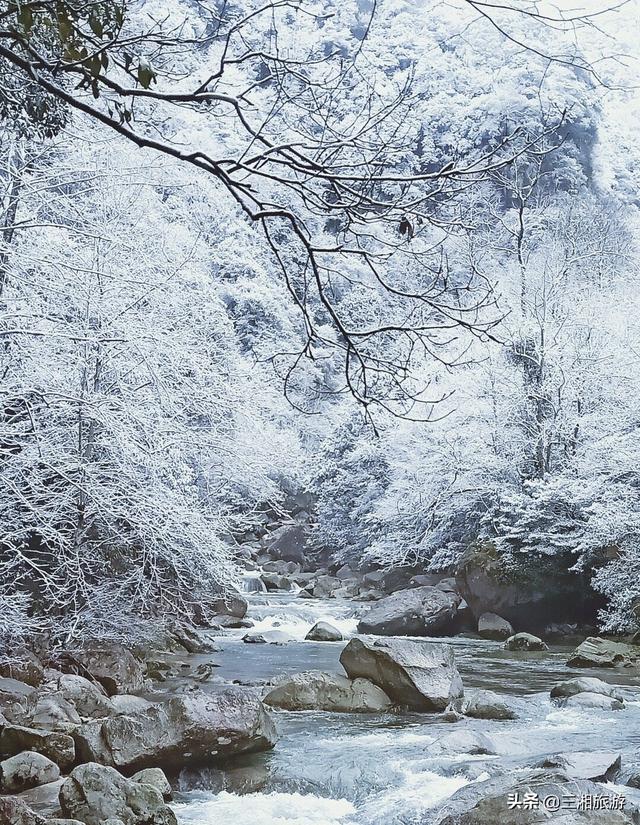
379 254
319 412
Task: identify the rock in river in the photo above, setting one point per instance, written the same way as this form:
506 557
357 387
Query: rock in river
155 777
195 728
524 641
584 684
596 652
94 794
324 632
420 675
487 803
491 626
463 742
592 700
485 704
326 691
419 611
601 766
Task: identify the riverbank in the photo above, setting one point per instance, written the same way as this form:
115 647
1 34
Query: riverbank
387 768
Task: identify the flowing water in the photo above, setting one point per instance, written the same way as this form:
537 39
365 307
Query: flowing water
252 583
354 769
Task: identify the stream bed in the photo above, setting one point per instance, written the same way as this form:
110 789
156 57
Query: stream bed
365 769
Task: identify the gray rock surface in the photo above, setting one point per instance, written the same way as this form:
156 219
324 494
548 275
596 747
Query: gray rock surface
59 747
486 803
324 632
485 704
463 741
313 690
592 700
597 652
492 626
584 684
88 698
155 777
195 728
420 675
26 770
14 811
49 710
95 793
25 667
524 641
233 604
110 664
419 611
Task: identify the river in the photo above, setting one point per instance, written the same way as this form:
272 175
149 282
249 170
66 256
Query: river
353 769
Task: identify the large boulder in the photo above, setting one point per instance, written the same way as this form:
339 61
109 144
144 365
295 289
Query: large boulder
110 664
325 691
44 798
420 611
195 728
540 591
25 667
49 710
95 793
597 652
276 581
13 698
398 578
524 641
26 770
190 638
89 698
287 543
229 604
59 747
345 573
584 684
374 579
485 704
492 626
420 675
325 586
155 777
488 802
349 589
324 632
592 700
460 742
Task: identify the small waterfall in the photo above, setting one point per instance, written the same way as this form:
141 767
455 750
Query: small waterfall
252 583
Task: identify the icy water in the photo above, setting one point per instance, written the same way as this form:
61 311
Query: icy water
353 769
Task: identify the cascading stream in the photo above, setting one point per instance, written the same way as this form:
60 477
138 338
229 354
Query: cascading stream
366 769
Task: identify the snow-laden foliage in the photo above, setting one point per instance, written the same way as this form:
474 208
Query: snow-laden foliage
137 431
382 253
